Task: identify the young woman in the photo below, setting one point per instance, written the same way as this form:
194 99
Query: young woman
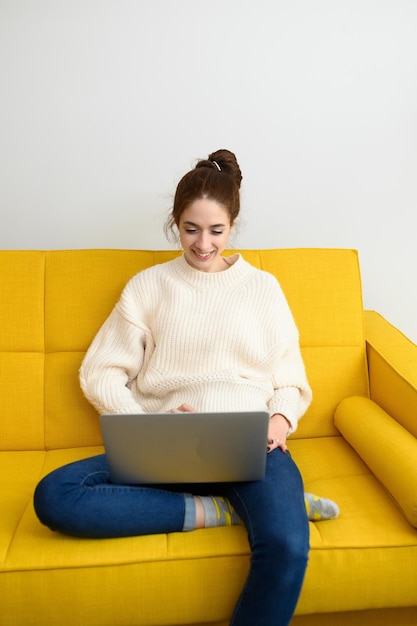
203 332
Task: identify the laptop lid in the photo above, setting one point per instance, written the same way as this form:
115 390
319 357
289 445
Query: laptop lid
163 448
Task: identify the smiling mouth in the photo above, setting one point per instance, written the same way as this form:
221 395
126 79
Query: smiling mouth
201 256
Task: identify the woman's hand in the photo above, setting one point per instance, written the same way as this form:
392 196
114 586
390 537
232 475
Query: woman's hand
184 408
278 430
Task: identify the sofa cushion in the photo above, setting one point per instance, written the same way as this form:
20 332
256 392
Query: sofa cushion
57 300
388 449
203 569
22 364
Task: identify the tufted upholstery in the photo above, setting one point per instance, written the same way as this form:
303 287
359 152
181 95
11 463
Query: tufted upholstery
357 445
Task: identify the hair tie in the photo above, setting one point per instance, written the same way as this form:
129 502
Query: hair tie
217 165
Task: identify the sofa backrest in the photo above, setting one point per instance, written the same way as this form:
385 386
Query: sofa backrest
53 303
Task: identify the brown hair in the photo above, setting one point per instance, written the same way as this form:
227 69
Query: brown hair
216 178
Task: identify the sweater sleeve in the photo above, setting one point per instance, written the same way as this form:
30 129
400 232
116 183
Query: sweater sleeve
292 392
112 362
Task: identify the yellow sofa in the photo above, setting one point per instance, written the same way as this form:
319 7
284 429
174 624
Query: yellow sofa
357 444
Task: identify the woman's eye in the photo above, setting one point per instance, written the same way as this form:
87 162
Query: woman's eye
193 231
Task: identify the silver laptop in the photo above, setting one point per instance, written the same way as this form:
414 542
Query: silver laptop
162 448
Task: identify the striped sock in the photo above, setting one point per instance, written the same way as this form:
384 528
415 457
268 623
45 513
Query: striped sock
218 512
319 509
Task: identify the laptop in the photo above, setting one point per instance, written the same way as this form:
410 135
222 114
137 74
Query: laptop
164 448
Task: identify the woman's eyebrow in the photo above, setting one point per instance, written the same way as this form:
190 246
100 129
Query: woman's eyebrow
212 226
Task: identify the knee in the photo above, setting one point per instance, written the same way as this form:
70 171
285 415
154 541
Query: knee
45 502
62 500
294 549
55 498
286 547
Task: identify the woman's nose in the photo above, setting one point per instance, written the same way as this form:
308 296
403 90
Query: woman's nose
204 240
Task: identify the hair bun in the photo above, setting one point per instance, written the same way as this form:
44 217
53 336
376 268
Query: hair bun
227 162
223 161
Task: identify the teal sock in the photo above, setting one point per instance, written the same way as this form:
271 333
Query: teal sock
319 509
218 512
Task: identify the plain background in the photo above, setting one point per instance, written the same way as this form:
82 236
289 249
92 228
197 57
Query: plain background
105 104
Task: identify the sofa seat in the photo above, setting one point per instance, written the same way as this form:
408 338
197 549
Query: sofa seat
360 552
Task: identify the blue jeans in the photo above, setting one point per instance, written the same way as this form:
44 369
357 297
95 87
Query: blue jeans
79 499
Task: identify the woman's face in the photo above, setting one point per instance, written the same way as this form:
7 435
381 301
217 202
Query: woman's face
204 230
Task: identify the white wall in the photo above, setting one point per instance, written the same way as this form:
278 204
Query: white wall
106 103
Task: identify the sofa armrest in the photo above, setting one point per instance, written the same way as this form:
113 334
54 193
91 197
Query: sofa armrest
387 448
392 364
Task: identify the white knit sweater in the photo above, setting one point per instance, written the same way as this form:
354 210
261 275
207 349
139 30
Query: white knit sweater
219 341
